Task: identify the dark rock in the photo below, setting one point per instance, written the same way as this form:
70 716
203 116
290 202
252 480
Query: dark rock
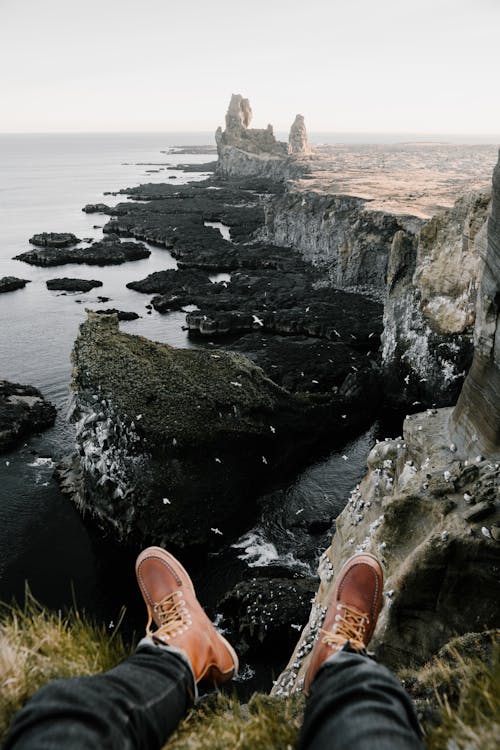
11 283
111 251
103 299
73 285
184 430
96 208
23 411
261 612
121 314
54 239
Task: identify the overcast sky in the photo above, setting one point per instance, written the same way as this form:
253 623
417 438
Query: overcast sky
428 66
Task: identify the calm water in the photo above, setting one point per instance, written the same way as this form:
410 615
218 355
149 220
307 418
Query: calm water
44 182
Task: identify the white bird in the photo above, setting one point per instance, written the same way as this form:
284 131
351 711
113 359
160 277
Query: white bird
238 385
346 458
486 532
216 531
264 460
217 460
300 510
273 429
257 320
336 333
166 501
407 380
344 416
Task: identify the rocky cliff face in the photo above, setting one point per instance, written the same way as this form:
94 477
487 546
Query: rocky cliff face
337 233
430 304
476 419
252 152
429 508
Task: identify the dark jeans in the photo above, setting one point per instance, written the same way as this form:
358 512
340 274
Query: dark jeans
355 704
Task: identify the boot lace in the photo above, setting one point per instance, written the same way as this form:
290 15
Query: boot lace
349 626
172 614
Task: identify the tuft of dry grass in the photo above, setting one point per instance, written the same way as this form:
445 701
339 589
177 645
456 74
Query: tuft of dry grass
37 646
470 718
222 723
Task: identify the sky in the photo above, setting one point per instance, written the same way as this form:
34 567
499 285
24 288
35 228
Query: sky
393 66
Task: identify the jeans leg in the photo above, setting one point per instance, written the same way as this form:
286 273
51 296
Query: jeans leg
357 703
136 705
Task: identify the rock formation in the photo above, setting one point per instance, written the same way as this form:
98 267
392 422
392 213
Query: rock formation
167 438
54 239
476 419
244 151
11 284
110 251
297 140
73 285
23 411
430 304
429 507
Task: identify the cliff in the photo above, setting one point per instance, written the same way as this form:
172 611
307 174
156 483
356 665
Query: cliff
429 310
429 508
337 233
476 419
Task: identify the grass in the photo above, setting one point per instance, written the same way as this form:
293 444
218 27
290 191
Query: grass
37 646
222 723
457 693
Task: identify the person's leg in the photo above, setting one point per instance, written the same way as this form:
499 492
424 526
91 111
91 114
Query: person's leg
140 702
136 705
353 701
356 703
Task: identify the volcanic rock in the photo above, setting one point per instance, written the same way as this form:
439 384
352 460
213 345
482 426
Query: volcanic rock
96 208
167 438
120 314
111 251
54 239
11 283
73 285
23 411
261 612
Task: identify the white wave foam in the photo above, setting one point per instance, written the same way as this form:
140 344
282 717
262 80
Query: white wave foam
258 553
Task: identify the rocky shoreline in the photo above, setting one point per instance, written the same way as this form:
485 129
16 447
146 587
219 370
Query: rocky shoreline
332 312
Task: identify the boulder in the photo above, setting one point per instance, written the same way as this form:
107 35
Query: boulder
11 283
23 411
120 314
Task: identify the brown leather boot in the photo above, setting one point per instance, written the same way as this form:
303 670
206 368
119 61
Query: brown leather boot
179 617
353 611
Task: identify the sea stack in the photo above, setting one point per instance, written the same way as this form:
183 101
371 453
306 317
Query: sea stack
297 140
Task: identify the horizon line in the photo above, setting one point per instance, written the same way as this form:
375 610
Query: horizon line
204 132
